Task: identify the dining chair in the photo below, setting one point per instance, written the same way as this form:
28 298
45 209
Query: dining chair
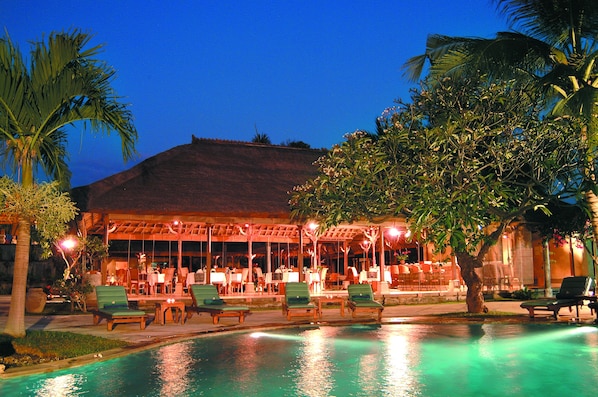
323 274
136 283
121 277
182 278
236 282
260 281
168 280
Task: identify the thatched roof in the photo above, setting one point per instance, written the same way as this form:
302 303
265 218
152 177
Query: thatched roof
213 187
205 178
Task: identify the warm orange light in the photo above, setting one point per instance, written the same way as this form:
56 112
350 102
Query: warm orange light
394 232
68 243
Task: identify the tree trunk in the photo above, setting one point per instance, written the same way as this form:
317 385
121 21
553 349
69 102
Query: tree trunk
475 298
15 324
592 202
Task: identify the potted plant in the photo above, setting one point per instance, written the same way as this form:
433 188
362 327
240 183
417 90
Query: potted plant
401 256
74 288
76 283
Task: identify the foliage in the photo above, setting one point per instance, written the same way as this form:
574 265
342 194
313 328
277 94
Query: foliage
459 158
83 251
563 220
553 51
52 345
75 288
72 284
522 294
461 161
401 256
296 144
62 85
43 205
261 138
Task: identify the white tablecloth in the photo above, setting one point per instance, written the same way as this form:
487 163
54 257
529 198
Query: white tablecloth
218 278
290 277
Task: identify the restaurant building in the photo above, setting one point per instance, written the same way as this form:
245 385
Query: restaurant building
213 203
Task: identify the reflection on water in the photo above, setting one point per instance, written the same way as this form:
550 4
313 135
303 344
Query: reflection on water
172 368
313 369
65 385
393 360
400 356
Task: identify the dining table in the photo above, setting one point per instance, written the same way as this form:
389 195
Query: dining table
234 280
313 280
155 280
219 280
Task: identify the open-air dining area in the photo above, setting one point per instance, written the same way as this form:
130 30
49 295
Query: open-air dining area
244 242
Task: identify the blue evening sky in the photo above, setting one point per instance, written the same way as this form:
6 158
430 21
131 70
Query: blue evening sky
294 70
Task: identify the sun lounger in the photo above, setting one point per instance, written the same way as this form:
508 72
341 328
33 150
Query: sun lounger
113 305
594 308
297 301
573 291
206 300
361 299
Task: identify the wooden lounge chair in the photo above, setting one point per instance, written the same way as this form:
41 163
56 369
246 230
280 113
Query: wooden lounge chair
361 299
113 305
594 308
297 301
206 300
573 291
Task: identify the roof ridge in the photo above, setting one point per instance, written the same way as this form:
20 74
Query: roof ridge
198 140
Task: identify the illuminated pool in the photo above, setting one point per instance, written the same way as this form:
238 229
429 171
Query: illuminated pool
389 360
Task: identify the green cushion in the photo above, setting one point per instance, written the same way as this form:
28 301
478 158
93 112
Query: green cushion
213 301
116 306
124 312
298 300
368 303
361 298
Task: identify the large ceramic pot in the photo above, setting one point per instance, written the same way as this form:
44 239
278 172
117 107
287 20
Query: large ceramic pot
35 301
94 278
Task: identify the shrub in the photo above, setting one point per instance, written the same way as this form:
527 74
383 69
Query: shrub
522 294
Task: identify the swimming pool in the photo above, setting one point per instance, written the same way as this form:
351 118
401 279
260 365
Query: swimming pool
360 360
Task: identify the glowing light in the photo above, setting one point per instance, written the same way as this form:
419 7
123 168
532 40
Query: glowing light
68 243
394 232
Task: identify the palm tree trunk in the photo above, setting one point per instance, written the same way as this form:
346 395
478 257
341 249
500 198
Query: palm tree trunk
475 298
15 324
592 202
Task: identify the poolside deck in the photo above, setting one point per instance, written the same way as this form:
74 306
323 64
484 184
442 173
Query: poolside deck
259 318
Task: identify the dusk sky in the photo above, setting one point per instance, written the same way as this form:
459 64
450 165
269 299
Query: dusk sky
293 70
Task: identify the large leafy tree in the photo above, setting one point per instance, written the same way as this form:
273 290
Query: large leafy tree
461 161
49 210
552 48
60 84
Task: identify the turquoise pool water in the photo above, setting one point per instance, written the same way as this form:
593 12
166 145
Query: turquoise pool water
361 360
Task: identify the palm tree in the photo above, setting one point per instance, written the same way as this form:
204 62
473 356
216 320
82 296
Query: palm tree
261 138
64 84
555 52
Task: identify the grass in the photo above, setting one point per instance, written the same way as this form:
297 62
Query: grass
42 346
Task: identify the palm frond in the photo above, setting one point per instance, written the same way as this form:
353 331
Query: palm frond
64 85
554 21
